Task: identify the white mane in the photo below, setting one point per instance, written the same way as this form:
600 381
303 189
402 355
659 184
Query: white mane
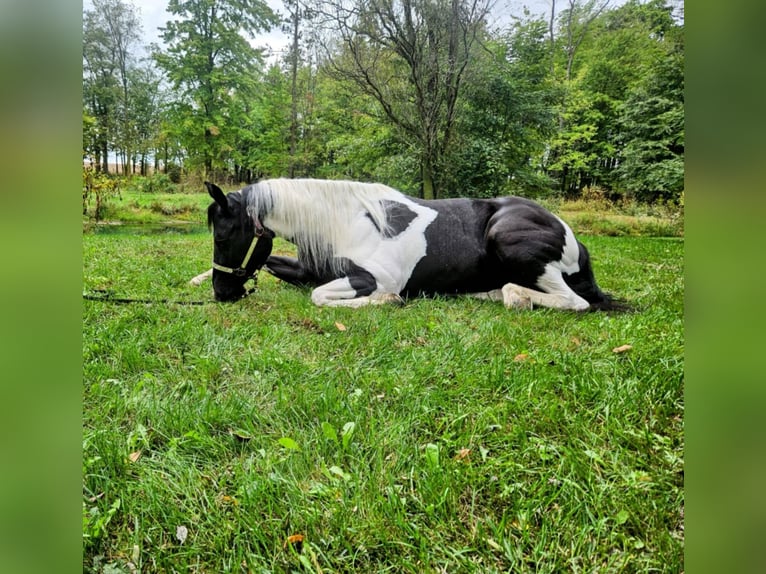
317 215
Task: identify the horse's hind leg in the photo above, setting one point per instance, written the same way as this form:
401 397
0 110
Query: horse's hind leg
556 294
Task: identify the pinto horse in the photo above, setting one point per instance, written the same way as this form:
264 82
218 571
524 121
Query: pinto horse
364 243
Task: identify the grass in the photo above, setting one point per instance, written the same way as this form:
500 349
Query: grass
135 207
448 435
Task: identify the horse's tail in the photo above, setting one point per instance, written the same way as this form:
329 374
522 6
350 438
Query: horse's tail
584 284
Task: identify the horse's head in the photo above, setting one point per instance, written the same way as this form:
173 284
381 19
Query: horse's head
241 244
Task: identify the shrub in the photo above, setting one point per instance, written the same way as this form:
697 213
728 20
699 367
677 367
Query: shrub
156 183
98 187
173 171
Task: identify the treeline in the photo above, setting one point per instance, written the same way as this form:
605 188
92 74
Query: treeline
419 94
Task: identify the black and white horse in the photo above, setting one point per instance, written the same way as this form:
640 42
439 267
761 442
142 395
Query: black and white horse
362 243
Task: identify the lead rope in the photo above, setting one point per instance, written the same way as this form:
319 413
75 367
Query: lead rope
106 296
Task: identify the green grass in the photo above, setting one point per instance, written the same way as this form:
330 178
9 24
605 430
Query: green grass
448 435
136 207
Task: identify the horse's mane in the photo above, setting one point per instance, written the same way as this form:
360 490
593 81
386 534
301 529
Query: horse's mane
317 214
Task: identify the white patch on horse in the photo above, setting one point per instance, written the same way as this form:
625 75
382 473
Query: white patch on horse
570 256
390 261
339 220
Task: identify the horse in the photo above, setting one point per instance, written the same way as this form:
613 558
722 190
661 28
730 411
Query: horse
366 243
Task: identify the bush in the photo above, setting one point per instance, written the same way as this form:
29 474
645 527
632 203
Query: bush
174 172
156 183
97 187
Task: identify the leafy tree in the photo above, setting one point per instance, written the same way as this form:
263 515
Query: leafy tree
211 64
266 138
507 116
652 128
101 83
619 54
111 31
145 114
411 57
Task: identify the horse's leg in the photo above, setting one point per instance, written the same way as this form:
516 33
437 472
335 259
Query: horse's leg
556 294
352 291
494 295
291 270
201 277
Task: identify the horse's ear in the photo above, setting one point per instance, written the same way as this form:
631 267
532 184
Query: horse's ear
218 195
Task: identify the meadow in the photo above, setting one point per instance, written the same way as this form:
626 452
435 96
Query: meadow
446 435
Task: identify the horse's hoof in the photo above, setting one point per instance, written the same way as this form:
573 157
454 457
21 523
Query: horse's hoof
515 298
386 298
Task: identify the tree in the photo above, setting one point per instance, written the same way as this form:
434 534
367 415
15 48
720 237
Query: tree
651 125
145 114
410 56
211 64
111 30
507 115
618 55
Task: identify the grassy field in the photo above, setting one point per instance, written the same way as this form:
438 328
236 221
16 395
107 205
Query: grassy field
448 435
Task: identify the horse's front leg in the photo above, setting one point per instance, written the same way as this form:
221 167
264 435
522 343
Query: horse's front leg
291 270
352 291
201 277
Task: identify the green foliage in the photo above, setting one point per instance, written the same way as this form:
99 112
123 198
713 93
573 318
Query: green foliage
506 118
156 183
211 64
174 172
652 127
264 136
117 93
97 189
602 137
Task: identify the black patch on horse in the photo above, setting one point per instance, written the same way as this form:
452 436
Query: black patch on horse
361 280
398 218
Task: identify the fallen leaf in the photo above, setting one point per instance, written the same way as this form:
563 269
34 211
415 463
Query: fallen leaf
229 500
521 357
462 453
134 456
295 539
181 533
622 348
340 326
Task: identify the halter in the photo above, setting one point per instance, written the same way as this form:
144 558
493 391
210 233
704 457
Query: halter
241 271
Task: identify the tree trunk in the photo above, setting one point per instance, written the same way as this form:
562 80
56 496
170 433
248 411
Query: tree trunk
294 93
104 157
428 179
